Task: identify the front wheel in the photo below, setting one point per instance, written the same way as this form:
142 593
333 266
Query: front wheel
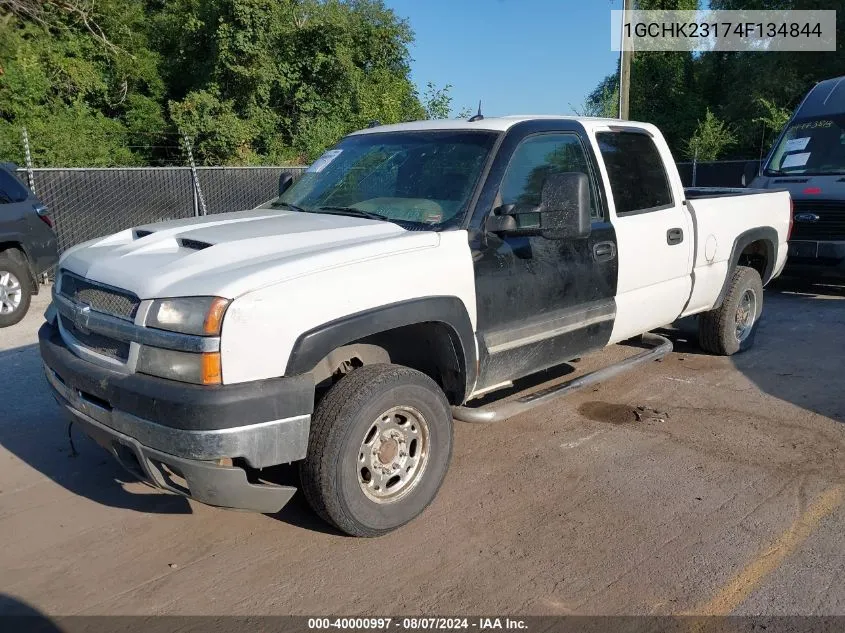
732 327
379 448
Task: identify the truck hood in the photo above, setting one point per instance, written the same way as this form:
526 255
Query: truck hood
230 254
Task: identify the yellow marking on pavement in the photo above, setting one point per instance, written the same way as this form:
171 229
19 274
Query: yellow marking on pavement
740 587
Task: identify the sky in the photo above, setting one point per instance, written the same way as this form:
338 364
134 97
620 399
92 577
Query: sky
517 56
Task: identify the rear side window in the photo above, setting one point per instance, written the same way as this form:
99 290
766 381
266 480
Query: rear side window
637 176
11 190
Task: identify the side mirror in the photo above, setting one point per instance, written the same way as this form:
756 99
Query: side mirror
565 206
749 172
501 220
285 181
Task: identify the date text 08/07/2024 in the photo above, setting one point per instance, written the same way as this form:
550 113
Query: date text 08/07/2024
418 623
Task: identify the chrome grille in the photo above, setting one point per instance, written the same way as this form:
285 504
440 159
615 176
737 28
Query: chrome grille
119 350
100 297
829 226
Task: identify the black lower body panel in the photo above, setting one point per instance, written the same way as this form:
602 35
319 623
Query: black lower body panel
816 260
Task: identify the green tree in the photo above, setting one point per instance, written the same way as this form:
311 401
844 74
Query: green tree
775 117
674 90
711 138
114 82
437 103
603 101
85 83
291 76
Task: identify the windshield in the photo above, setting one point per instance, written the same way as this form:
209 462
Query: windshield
811 147
417 179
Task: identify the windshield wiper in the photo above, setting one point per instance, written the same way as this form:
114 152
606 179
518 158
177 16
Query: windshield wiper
354 212
287 205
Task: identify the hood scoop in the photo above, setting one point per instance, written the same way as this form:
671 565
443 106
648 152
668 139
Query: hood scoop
139 233
195 245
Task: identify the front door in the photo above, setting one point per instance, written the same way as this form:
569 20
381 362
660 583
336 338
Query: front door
540 302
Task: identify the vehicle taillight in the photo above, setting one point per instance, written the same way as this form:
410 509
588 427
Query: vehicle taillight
791 217
41 210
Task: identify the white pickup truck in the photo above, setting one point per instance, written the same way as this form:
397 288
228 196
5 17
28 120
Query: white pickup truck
412 268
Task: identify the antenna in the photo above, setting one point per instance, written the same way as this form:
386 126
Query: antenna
479 116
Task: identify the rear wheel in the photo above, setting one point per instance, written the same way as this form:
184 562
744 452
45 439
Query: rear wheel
379 447
732 327
15 288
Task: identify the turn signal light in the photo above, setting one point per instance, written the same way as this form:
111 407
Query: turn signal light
210 371
214 319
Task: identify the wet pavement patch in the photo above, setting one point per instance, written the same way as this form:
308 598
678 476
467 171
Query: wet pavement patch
620 413
608 412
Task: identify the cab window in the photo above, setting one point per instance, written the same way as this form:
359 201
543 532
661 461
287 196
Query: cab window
637 175
532 162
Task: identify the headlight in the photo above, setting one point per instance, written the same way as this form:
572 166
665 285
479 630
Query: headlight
200 369
202 316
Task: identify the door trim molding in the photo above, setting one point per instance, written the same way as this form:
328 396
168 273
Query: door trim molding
563 322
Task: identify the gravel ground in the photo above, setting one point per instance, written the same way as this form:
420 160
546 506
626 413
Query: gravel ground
731 502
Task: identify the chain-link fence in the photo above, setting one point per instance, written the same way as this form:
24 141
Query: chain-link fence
90 203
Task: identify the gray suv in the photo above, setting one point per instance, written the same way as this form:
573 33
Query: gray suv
27 245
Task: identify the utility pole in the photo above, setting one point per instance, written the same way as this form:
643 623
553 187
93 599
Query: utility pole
625 65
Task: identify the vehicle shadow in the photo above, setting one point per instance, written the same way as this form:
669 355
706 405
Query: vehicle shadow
34 429
17 615
296 512
798 346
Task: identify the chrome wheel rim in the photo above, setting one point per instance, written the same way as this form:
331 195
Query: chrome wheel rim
11 292
746 312
393 454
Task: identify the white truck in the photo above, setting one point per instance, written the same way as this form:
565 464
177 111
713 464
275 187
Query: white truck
412 269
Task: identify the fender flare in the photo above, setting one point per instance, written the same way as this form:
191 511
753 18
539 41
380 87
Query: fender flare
17 241
314 345
765 234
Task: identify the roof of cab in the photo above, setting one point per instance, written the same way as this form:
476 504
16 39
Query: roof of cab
493 124
826 97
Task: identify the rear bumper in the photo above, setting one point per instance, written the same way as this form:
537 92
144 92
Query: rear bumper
162 450
809 258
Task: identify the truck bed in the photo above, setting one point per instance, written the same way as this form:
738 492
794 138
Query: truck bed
695 193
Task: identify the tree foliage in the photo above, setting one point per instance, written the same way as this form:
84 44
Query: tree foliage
437 103
752 93
249 81
710 139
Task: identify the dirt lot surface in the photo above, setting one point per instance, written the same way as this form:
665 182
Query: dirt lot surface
725 493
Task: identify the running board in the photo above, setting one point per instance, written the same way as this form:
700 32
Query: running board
498 411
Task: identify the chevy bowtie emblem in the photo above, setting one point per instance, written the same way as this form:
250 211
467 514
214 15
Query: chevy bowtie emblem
81 316
806 217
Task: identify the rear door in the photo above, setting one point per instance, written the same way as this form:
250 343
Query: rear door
14 206
654 231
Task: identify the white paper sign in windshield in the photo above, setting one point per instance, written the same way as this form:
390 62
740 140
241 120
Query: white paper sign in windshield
795 160
324 161
797 144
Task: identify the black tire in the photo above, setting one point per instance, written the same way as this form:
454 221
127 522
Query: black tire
331 472
14 263
717 329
